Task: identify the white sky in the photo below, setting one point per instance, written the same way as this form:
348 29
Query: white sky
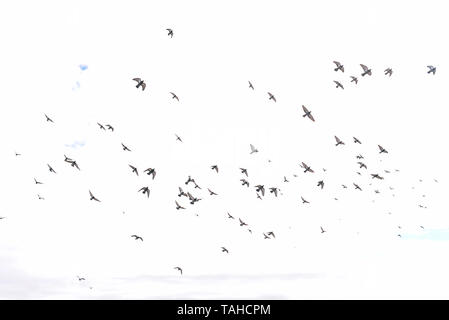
284 47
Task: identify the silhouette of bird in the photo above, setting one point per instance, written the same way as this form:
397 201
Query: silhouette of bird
80 279
181 192
229 216
174 96
214 167
271 97
50 168
366 70
179 269
101 126
362 165
178 138
354 79
344 187
360 156
306 168
253 149
211 192
196 186
285 179
140 83
134 169
145 190
244 171
260 188
242 223
189 180
170 33
320 184
339 66
250 85
92 197
37 182
271 233
17 154
382 150
223 249
339 85
67 159
432 69
304 200
375 175
265 236
48 118
178 206
258 196
357 140
136 237
74 164
110 127
307 113
274 190
40 198
125 148
151 171
338 141
357 187
244 182
388 72
322 230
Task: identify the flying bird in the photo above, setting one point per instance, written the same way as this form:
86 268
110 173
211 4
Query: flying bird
125 148
145 190
211 192
74 164
101 126
271 97
320 184
110 127
80 279
260 188
179 269
339 85
338 141
432 69
178 138
388 71
304 200
48 118
151 171
362 165
190 180
275 191
134 169
250 85
357 140
214 167
360 156
354 79
178 206
50 168
40 198
271 233
382 150
244 171
253 149
140 83
375 175
357 187
170 33
196 186
265 236
285 179
181 192
242 223
92 197
339 66
136 237
229 216
174 96
306 168
366 70
37 182
244 182
307 113
223 249
322 230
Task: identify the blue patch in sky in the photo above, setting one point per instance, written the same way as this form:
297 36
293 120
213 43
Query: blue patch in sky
431 234
83 67
76 144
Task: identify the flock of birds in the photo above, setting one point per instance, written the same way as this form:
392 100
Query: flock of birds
259 189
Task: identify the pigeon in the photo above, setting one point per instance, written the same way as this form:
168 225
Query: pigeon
388 72
92 197
242 223
306 168
40 198
189 180
37 182
250 85
375 175
229 216
244 171
357 140
271 97
80 279
170 33
260 188
48 118
151 171
339 85
196 186
266 236
181 192
178 206
432 69
304 200
134 169
354 79
307 113
140 83
362 165
339 66
74 164
360 156
179 269
258 196
357 187
321 183
271 233
174 96
101 126
344 186
253 149
366 70
110 127
125 148
244 182
382 150
145 190
338 141
274 190
211 192
17 154
50 168
322 230
137 237
214 167
178 138
223 249
285 179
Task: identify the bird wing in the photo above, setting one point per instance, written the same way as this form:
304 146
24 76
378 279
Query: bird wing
337 63
365 68
144 86
252 148
336 139
137 79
